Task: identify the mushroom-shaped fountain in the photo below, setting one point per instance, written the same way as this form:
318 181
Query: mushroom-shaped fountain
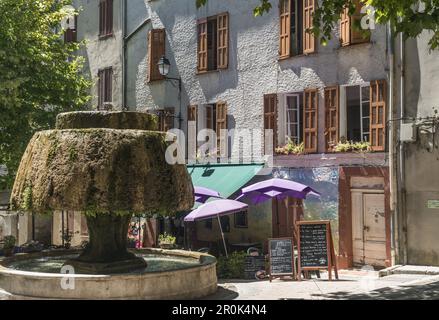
109 166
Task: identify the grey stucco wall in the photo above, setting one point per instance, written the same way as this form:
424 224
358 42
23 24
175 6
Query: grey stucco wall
100 53
422 157
254 69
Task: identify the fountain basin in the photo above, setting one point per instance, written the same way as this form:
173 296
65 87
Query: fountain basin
172 274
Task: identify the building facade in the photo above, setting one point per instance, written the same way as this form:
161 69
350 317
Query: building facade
250 75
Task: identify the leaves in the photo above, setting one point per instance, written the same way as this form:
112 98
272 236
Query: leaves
410 17
39 75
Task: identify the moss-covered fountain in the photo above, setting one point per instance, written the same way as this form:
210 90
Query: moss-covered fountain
108 165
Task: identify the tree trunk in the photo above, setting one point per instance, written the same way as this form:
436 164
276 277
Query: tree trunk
107 239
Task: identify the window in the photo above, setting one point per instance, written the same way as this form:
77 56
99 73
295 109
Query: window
331 117
213 43
156 49
350 26
208 224
241 219
357 113
225 223
105 93
270 121
105 18
310 119
293 117
363 113
70 34
214 117
166 119
295 19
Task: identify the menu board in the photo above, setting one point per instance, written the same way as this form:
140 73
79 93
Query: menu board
281 256
313 243
253 264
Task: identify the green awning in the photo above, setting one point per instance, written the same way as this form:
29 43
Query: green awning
224 178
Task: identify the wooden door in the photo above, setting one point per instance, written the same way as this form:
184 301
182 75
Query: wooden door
368 228
374 229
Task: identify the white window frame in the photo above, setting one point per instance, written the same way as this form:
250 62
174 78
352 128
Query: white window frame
344 109
287 123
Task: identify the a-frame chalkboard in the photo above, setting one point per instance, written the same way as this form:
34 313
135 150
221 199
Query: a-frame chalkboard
281 253
315 247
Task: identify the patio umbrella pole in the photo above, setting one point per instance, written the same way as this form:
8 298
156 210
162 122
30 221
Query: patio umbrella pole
222 235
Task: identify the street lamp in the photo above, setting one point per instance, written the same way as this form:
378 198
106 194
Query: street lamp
164 67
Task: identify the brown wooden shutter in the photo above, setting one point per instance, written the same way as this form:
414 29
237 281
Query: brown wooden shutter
285 28
310 119
166 119
109 18
308 38
156 49
357 36
378 98
223 40
209 118
105 17
270 116
108 85
102 5
331 117
192 113
345 27
221 124
202 45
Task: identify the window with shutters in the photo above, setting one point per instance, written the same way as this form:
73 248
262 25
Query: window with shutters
166 119
350 26
310 119
331 117
105 18
363 114
270 122
105 91
70 35
213 43
156 49
295 18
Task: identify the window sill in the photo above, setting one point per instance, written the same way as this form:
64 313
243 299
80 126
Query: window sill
355 45
297 56
208 71
105 36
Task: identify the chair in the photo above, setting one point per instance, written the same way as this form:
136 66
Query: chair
252 251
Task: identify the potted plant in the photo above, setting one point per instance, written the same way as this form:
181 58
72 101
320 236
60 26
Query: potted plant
9 245
166 241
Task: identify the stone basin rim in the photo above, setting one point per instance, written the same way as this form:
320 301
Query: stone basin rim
205 262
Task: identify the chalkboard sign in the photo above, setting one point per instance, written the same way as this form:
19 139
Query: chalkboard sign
253 264
281 257
315 247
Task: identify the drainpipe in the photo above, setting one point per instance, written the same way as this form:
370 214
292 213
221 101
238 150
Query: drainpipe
401 160
392 151
124 47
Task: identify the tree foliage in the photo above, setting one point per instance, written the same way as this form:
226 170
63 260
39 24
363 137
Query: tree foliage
410 17
40 75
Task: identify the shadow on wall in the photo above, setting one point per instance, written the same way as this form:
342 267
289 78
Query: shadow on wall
413 78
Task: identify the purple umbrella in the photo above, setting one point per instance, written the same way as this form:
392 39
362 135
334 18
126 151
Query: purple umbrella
216 208
275 188
202 194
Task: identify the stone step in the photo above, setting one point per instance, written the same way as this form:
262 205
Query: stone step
409 269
